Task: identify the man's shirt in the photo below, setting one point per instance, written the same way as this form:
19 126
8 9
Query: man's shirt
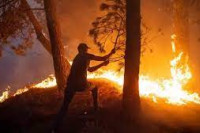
78 75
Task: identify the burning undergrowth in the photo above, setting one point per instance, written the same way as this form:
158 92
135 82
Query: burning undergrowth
35 109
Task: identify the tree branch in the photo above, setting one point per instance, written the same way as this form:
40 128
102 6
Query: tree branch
38 29
6 3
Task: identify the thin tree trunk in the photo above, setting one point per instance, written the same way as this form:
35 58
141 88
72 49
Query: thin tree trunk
131 99
38 29
56 44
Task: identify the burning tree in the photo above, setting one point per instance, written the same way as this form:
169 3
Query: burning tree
18 21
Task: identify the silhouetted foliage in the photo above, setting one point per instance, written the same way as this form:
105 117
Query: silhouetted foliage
20 22
109 29
16 26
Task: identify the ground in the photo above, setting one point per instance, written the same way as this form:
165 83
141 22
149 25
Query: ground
35 110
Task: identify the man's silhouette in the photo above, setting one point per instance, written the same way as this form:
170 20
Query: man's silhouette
77 80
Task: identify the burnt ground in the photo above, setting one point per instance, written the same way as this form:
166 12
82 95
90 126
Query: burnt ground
35 111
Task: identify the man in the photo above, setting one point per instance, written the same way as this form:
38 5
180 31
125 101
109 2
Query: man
77 80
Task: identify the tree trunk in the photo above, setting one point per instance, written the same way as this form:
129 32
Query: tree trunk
43 40
56 44
131 98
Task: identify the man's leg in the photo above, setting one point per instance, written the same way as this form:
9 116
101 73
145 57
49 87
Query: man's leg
64 108
95 98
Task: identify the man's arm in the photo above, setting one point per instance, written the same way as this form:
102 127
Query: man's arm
101 58
94 68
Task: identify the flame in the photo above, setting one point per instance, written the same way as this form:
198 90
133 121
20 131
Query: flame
173 37
5 95
46 83
20 91
110 75
171 90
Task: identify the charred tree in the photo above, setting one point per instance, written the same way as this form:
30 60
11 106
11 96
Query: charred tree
131 98
56 44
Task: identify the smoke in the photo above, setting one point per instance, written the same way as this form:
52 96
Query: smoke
75 17
75 20
18 71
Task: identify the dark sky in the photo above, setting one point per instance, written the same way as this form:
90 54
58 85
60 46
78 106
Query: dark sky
75 18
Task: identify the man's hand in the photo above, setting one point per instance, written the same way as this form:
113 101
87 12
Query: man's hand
113 51
94 68
105 63
103 58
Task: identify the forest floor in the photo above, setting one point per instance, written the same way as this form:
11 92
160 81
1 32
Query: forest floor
35 111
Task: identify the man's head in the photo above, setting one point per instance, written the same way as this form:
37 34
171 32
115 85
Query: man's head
82 48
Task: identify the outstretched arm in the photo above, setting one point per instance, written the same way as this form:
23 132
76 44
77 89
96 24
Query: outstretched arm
102 58
94 68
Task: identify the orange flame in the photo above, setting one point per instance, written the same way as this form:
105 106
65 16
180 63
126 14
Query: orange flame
46 83
5 95
170 90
